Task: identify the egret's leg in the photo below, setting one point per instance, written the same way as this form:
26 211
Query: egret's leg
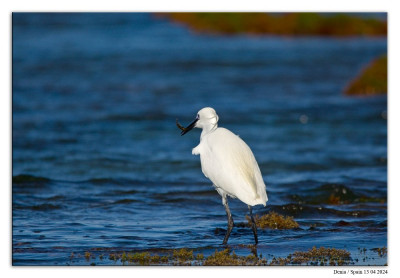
230 219
253 225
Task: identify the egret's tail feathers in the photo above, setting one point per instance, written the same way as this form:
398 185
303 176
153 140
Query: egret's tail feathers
259 197
261 190
257 202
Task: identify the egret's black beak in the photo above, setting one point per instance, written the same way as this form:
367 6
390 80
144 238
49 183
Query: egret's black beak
188 128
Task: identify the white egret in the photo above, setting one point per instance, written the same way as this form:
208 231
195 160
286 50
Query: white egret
229 163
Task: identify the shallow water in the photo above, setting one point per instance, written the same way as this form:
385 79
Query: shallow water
99 165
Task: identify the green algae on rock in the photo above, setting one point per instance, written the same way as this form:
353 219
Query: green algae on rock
372 80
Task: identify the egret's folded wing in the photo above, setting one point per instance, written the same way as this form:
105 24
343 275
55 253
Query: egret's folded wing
229 163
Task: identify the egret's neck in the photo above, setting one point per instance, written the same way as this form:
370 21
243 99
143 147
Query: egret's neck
208 128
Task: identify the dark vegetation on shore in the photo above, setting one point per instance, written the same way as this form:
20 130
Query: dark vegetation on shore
372 80
316 256
291 24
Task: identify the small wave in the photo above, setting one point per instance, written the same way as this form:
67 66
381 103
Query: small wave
121 192
334 194
76 224
113 181
150 116
24 178
41 207
303 210
362 224
101 180
56 198
23 183
125 201
174 200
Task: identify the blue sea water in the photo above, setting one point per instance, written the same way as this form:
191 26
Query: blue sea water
99 164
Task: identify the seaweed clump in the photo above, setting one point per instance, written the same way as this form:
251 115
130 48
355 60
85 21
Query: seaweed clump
273 220
225 257
372 80
178 257
139 258
321 256
182 256
185 257
381 251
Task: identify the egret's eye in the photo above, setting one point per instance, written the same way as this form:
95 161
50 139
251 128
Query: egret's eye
198 116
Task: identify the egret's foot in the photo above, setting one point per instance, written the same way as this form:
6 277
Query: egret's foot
230 220
229 230
254 250
253 226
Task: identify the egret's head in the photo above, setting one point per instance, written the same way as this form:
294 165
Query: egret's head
206 119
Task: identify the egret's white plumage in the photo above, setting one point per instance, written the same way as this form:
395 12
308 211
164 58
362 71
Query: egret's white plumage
229 163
